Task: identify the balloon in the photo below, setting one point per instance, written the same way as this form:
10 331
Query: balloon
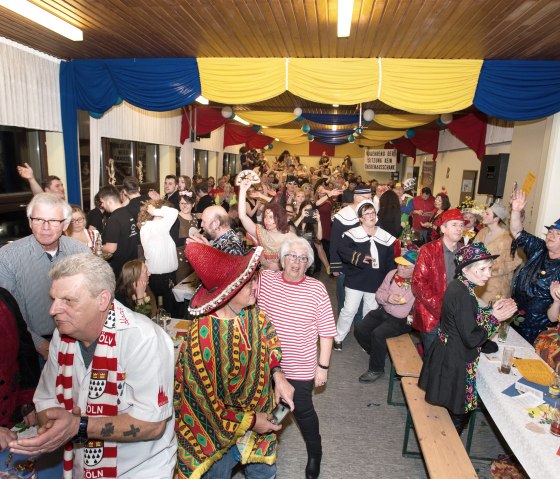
119 101
351 139
410 133
368 115
270 146
446 118
257 128
310 137
359 130
305 128
440 123
298 111
299 118
95 115
227 112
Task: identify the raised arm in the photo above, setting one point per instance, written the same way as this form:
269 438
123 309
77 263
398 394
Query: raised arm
26 172
247 222
518 204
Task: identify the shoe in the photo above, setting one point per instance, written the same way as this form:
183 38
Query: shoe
337 346
370 376
313 468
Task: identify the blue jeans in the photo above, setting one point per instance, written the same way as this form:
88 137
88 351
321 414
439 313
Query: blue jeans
428 338
341 295
224 467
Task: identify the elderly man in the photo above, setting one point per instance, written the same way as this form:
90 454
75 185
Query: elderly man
25 263
105 392
216 225
51 184
226 367
301 311
434 270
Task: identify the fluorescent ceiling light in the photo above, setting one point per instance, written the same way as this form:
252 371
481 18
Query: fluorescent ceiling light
200 99
335 105
333 127
345 8
241 120
44 18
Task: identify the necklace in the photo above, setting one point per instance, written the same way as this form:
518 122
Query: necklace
240 318
234 311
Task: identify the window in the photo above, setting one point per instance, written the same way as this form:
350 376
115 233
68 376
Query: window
201 163
229 163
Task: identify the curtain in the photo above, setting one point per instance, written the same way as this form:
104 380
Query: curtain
205 121
242 80
237 134
518 89
259 141
429 86
330 137
345 81
404 146
366 142
330 119
29 88
471 130
266 118
291 136
316 148
403 120
427 140
382 135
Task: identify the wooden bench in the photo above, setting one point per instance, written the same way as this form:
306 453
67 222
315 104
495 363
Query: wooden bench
405 362
441 446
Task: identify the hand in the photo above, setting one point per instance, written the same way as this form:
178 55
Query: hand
263 424
25 171
504 309
43 349
198 238
154 195
61 427
555 291
283 390
321 377
518 200
335 274
367 259
316 215
395 299
334 192
244 185
6 436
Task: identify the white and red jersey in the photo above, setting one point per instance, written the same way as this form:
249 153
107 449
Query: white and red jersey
301 312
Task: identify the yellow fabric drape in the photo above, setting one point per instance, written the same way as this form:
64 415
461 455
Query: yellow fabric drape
382 135
344 81
429 86
404 120
241 80
266 118
366 142
286 135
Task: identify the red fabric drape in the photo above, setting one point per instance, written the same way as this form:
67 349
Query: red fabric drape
206 120
259 141
427 140
404 146
316 148
471 130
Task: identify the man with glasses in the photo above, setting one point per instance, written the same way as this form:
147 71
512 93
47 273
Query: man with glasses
25 263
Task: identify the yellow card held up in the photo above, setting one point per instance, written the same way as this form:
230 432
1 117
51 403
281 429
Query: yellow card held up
529 182
534 370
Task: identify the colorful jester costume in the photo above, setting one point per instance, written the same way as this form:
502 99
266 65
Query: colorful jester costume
222 379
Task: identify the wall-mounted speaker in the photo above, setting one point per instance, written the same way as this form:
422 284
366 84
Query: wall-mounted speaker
493 171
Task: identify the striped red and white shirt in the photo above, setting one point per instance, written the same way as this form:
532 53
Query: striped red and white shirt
301 312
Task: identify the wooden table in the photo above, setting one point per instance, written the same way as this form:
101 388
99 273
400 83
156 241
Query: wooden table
536 451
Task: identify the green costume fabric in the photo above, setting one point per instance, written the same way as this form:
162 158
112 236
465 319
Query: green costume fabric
222 378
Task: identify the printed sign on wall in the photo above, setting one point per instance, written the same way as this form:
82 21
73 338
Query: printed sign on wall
380 160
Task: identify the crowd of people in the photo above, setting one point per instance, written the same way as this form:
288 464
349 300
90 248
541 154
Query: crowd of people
77 293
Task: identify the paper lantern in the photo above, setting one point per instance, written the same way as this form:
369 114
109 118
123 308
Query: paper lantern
310 137
270 146
257 128
119 100
440 123
368 115
446 118
227 112
298 111
95 115
305 128
410 133
351 139
359 130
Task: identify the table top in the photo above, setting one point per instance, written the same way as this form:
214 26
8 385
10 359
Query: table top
48 466
185 289
536 448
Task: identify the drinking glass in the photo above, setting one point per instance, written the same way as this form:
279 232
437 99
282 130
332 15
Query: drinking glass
507 360
163 318
554 386
555 416
503 330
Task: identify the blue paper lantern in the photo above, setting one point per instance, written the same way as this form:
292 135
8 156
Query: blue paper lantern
299 118
440 123
257 128
119 100
359 130
351 139
310 137
410 133
270 146
96 115
305 128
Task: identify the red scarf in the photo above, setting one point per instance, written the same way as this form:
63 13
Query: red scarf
100 457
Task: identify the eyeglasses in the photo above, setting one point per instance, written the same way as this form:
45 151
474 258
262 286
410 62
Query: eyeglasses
553 233
78 220
42 221
296 259
368 215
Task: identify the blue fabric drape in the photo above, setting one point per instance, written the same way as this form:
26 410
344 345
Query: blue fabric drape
330 137
155 84
329 119
518 89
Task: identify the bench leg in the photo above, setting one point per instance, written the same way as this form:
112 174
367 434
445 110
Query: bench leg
408 426
470 435
392 379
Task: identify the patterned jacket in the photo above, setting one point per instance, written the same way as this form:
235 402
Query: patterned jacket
429 283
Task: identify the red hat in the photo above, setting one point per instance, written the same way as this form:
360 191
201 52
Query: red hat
452 214
222 275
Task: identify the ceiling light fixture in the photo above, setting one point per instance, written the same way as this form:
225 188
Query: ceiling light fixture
345 8
200 99
42 17
335 105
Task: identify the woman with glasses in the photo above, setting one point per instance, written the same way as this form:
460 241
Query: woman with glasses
186 222
300 309
368 253
78 229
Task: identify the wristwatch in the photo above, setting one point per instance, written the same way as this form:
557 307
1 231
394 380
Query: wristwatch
81 437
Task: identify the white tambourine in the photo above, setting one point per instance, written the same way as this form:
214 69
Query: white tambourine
250 175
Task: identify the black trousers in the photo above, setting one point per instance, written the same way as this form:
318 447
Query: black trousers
162 285
372 332
306 416
460 421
